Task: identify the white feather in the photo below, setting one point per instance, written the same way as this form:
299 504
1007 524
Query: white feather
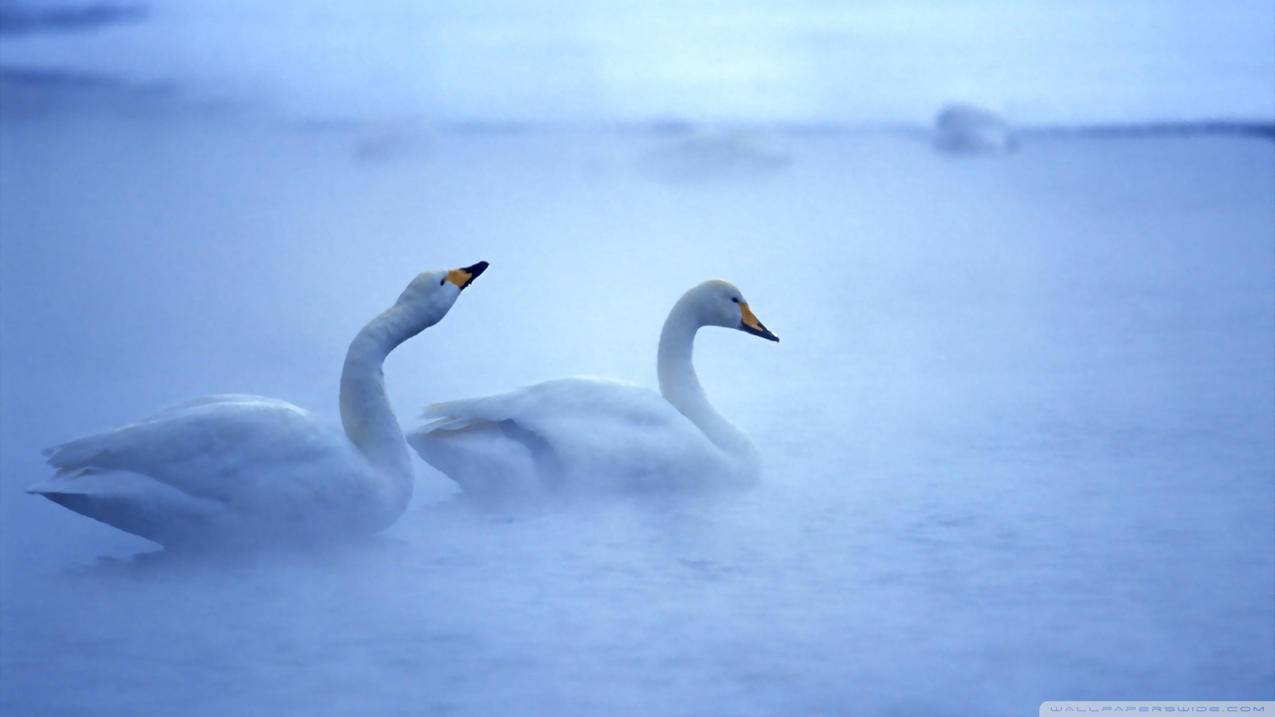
240 469
598 435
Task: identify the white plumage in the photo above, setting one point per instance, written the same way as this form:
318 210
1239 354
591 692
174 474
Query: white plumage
598 435
240 469
209 465
574 433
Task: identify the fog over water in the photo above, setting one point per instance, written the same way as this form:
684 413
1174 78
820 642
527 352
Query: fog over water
1018 438
581 61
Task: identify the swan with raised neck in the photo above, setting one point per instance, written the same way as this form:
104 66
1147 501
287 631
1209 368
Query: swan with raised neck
366 414
235 469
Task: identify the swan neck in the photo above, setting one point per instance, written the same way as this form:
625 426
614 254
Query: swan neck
366 413
679 383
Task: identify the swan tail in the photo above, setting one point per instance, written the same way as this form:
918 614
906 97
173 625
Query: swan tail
480 456
449 423
128 501
490 408
80 453
441 409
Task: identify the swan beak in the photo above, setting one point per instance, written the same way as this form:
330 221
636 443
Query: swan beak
465 276
749 323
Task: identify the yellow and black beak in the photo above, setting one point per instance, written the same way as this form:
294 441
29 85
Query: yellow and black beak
464 277
749 323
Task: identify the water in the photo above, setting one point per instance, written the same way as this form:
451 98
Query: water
1018 434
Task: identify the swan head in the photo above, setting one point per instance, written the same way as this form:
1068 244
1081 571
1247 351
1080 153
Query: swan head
721 303
431 294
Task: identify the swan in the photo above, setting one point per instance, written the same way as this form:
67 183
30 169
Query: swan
589 434
235 469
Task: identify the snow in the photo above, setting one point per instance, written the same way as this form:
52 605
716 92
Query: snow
1018 435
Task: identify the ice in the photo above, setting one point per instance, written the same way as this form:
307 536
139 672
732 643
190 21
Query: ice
969 128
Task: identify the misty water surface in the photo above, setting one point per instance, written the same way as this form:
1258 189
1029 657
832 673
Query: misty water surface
1017 437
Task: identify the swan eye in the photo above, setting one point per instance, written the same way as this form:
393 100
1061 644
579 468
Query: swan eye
735 299
442 281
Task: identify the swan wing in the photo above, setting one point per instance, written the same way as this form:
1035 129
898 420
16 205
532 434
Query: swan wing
214 447
560 430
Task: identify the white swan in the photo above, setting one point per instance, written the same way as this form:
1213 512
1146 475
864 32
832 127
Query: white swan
589 434
237 469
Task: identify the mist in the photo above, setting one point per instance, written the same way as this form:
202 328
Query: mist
1018 439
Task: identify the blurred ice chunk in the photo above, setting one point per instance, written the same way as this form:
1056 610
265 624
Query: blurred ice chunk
391 139
375 141
965 128
697 155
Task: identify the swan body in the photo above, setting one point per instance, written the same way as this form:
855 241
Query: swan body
597 435
241 469
580 433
